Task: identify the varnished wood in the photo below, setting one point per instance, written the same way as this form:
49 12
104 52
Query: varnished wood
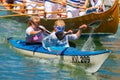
109 25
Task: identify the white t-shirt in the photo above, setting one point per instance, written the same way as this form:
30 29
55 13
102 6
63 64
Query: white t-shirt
53 41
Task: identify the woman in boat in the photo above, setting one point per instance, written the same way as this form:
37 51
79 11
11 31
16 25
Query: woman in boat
97 6
35 32
59 38
76 8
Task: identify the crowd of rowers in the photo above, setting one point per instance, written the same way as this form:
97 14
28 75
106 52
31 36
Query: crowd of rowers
55 8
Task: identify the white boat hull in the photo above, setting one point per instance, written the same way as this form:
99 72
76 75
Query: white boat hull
95 61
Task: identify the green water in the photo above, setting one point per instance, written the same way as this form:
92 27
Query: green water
14 66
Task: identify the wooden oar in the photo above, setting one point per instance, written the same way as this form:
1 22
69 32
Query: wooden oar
40 4
6 16
11 9
13 15
20 9
12 5
24 4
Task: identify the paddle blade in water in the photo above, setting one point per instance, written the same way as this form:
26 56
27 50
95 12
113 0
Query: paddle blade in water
95 24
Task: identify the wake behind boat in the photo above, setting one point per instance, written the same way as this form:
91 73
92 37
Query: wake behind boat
67 55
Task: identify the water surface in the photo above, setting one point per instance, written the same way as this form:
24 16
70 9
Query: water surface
14 66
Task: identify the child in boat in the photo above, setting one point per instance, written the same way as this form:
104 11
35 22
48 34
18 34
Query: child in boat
96 6
59 38
35 32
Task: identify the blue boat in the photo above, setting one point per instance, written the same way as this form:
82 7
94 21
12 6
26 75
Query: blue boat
67 55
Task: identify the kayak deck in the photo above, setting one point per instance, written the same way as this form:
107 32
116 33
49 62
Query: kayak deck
69 51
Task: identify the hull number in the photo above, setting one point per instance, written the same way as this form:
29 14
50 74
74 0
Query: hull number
81 59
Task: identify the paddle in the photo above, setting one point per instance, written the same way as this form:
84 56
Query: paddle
95 24
37 25
89 44
61 35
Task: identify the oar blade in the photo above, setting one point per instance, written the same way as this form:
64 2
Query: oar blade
95 24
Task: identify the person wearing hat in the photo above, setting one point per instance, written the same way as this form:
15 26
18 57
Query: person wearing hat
59 38
35 31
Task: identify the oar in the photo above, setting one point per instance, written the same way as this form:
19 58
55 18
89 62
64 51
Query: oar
40 4
95 24
13 15
37 25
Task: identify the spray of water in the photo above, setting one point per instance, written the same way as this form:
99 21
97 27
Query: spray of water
89 45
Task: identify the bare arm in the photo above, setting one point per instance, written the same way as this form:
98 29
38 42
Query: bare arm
86 2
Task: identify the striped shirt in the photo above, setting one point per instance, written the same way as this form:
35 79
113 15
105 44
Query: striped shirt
75 2
82 2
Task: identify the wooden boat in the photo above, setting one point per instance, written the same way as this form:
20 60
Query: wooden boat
90 60
109 17
109 25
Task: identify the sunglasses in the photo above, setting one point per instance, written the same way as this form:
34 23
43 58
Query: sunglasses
60 28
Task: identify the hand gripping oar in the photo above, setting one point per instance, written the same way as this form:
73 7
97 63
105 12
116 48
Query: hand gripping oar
95 24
